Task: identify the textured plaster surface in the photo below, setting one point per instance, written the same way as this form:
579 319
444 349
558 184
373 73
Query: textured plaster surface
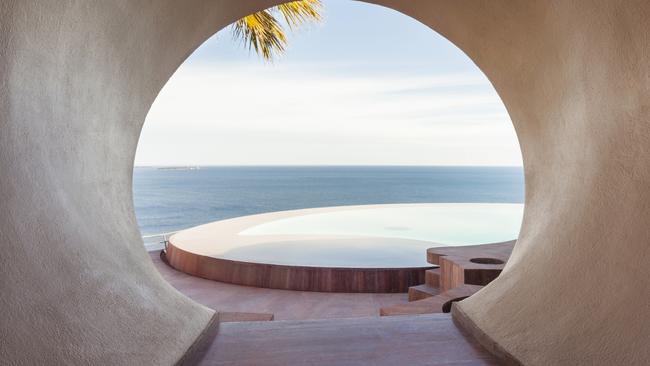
77 78
76 81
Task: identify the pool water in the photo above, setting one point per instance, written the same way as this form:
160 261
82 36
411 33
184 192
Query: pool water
439 223
370 236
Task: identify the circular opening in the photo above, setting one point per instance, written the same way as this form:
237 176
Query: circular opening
325 132
423 125
486 261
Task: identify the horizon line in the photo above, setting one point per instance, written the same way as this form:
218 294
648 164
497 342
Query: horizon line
323 165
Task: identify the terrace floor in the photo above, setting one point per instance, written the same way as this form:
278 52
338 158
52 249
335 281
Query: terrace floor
412 340
284 304
317 328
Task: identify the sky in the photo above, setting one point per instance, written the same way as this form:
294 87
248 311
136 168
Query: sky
367 86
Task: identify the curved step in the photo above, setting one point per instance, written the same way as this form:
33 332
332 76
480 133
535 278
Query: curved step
422 292
472 265
435 304
432 277
466 253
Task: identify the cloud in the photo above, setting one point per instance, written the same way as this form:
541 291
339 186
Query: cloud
213 113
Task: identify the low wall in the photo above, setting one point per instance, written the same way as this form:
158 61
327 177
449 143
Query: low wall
299 278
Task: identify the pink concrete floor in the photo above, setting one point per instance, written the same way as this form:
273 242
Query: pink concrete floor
285 305
300 335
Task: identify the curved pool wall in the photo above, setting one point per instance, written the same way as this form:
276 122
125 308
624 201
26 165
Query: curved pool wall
342 249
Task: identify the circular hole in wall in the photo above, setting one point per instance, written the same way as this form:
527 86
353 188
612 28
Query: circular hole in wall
486 261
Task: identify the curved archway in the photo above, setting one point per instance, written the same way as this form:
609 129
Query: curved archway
367 86
574 82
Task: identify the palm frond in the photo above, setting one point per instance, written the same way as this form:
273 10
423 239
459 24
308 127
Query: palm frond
264 33
299 12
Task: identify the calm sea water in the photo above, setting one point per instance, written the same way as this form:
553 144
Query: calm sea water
169 200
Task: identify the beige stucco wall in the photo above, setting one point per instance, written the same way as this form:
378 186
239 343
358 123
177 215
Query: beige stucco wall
77 78
575 77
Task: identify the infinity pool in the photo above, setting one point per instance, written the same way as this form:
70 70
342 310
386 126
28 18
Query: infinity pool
372 236
441 223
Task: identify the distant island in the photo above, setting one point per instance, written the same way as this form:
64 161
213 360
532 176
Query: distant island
179 168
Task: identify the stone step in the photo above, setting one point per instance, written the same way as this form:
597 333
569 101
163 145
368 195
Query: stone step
430 305
435 304
422 292
418 340
432 277
228 317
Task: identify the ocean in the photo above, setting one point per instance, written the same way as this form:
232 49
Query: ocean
168 200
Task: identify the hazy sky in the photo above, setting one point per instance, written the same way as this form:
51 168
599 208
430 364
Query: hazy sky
368 86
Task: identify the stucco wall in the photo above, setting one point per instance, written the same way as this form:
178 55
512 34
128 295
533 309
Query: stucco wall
575 78
77 79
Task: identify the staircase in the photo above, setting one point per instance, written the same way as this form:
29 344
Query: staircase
431 286
416 340
440 303
462 272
